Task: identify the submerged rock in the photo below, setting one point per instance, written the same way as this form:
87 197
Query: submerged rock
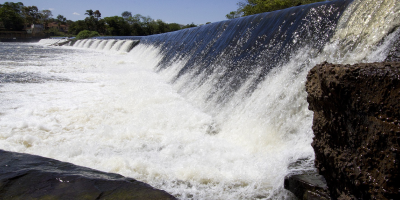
24 176
357 128
307 186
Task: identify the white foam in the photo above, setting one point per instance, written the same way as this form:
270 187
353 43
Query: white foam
51 41
117 45
102 45
109 44
126 47
122 117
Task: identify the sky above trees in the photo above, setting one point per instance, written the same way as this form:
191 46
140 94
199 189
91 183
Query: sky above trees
170 11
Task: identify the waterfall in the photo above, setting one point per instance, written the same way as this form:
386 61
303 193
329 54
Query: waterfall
358 36
102 44
106 44
219 111
110 44
88 43
128 45
95 44
77 43
249 73
82 44
117 45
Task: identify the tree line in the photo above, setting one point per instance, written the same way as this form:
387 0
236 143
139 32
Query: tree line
124 25
15 16
251 7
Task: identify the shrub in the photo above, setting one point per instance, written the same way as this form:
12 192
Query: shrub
87 34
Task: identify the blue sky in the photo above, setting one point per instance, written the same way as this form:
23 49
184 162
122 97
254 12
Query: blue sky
171 11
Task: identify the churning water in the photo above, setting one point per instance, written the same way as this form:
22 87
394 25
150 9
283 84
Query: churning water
213 112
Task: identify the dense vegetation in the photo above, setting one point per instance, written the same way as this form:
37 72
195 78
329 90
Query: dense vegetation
124 25
14 16
87 34
251 7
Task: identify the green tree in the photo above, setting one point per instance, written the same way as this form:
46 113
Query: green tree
89 12
87 34
31 14
174 27
126 14
97 14
137 30
90 23
11 16
45 16
93 21
251 7
77 27
234 14
162 27
117 26
148 25
189 25
61 19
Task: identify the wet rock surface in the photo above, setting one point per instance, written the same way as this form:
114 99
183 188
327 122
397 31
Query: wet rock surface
24 176
357 128
307 186
394 53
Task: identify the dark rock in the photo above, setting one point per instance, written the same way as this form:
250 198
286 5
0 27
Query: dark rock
307 186
394 53
24 176
357 128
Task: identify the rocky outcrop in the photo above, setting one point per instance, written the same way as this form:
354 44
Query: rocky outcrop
357 128
24 176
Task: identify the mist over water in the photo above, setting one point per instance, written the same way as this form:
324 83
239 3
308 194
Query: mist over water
214 112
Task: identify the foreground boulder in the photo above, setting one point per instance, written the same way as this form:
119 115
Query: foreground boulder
357 128
24 176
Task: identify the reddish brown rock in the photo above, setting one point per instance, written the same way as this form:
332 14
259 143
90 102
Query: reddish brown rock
357 128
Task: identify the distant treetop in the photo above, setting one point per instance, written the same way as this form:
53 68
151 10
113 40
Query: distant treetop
251 7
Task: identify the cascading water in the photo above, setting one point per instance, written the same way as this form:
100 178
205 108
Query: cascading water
109 44
82 43
224 116
101 45
95 44
117 45
88 43
128 45
77 43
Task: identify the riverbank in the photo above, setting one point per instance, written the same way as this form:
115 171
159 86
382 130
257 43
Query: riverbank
20 36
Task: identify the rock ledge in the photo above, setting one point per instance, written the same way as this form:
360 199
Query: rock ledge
24 176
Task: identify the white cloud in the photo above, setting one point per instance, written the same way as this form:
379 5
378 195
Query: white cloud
75 13
51 8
